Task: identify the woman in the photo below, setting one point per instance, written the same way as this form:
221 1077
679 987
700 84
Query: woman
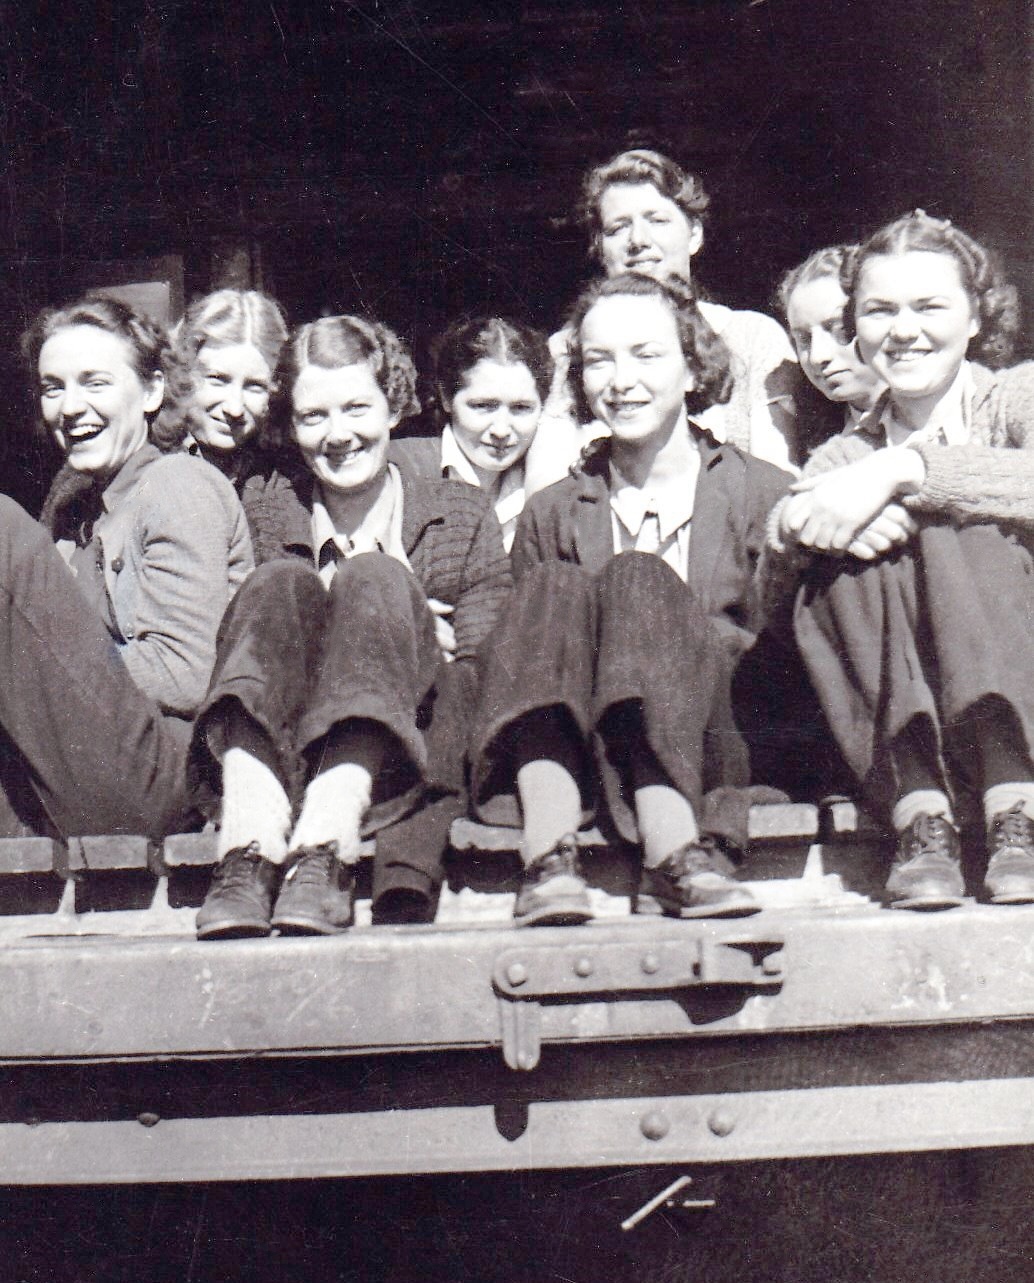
632 654
333 712
108 640
491 377
227 348
915 619
814 305
645 214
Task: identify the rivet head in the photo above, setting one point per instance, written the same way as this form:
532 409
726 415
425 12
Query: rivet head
651 964
517 973
583 967
148 1119
721 1122
654 1125
770 965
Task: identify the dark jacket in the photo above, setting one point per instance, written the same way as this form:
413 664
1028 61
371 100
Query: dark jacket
571 521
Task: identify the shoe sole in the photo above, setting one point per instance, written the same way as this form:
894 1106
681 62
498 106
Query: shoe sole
650 906
300 926
928 903
1013 897
555 915
233 929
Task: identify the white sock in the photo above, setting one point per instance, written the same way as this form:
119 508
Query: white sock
920 802
551 805
255 807
666 822
1003 797
335 803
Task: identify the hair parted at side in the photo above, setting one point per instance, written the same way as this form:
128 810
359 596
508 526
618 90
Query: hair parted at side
335 341
706 353
832 261
641 165
471 339
994 299
147 344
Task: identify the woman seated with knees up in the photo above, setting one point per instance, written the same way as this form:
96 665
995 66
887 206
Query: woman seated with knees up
491 377
612 672
815 307
108 640
333 711
913 532
645 214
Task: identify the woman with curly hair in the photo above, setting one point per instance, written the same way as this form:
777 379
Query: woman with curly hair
491 378
108 640
612 666
913 532
337 704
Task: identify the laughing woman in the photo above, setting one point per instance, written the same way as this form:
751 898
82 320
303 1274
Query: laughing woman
612 666
914 532
338 702
107 641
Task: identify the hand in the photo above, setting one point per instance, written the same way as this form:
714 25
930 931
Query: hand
894 526
829 510
444 632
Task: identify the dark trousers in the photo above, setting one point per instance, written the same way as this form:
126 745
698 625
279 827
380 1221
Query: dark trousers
79 736
627 657
301 660
937 634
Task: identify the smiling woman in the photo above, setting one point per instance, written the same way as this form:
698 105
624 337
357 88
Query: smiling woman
108 640
347 666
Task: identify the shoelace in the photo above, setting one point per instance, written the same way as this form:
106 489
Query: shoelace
932 836
1014 828
237 869
312 867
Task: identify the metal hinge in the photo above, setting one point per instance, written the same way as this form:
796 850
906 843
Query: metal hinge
526 976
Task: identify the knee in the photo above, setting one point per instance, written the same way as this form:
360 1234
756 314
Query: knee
641 574
276 582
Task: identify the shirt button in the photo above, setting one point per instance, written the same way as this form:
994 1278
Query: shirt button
117 565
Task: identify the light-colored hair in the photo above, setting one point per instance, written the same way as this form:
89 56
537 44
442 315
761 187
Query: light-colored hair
641 165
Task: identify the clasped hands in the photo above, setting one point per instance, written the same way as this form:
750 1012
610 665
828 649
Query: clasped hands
855 510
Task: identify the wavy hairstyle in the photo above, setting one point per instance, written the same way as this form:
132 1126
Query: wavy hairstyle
706 353
147 342
641 165
486 338
335 341
993 298
832 261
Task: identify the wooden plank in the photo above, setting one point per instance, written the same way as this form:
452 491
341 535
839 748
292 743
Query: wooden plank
750 1126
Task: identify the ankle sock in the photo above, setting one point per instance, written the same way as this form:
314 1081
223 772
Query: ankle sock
336 800
551 803
1003 797
920 802
255 807
666 822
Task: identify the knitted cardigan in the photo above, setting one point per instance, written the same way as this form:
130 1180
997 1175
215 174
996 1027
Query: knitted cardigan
989 479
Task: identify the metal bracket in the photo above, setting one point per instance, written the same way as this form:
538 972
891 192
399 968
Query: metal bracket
523 977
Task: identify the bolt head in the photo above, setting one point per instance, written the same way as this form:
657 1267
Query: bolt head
650 964
148 1119
517 973
655 1125
583 967
721 1122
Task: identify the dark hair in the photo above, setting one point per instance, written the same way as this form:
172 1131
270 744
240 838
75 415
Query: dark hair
706 353
150 352
831 261
220 318
641 166
335 341
993 298
487 338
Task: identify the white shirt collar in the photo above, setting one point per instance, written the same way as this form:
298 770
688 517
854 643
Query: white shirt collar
510 502
379 531
951 420
672 500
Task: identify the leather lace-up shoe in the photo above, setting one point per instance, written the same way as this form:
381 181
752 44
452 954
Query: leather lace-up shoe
240 899
317 893
926 873
1010 871
695 881
553 891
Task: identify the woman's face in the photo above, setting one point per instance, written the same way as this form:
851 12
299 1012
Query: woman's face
231 383
815 315
643 231
93 400
495 414
914 320
342 423
634 371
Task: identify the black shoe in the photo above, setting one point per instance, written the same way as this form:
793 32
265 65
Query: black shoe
1010 871
552 891
926 873
240 899
317 893
694 882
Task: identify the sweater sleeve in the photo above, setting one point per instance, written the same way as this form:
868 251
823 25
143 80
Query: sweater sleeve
484 586
194 547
